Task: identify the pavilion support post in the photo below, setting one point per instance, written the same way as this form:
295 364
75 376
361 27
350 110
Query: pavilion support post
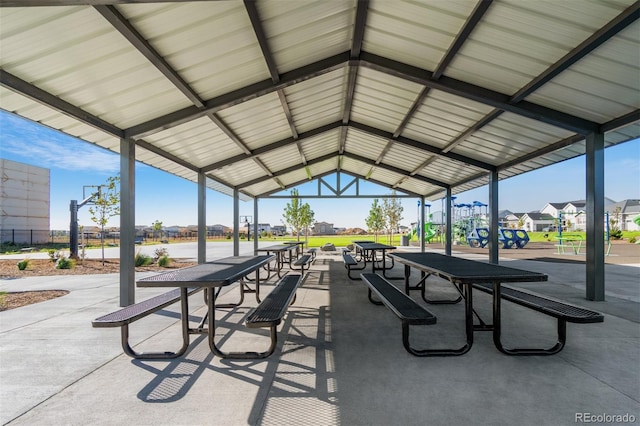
422 230
493 217
202 218
127 221
595 217
256 234
236 222
448 231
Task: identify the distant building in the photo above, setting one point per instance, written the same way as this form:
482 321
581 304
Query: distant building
278 230
573 213
536 222
323 228
629 210
25 203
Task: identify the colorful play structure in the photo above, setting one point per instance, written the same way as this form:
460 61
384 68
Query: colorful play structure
431 231
470 227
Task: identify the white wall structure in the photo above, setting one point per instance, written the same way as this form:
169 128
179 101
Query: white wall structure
24 203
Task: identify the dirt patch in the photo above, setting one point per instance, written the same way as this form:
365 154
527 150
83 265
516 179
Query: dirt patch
24 298
44 267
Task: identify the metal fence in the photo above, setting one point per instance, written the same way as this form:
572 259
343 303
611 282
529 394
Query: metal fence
32 236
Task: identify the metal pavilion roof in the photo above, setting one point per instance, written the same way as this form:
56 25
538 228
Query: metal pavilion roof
262 96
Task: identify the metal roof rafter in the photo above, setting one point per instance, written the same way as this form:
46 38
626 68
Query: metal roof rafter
395 170
124 27
406 194
613 27
272 146
422 146
478 94
352 76
285 171
256 23
472 21
239 96
30 91
120 23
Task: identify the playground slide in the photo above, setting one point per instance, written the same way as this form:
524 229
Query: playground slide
429 232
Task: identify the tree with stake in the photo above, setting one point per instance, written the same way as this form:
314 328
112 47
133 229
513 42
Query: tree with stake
306 219
157 229
375 221
106 206
392 208
292 215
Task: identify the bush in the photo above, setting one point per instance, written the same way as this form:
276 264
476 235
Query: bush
164 261
64 263
54 255
616 234
23 264
161 252
142 259
632 240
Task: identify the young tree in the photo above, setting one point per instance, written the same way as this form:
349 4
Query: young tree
106 205
392 209
375 221
306 219
157 228
292 215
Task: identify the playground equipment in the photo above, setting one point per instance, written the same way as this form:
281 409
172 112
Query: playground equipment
508 238
471 227
430 230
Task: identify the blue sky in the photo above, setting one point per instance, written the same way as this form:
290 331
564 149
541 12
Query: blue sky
172 200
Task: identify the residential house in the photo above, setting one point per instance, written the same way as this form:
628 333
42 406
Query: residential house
278 230
507 219
536 222
323 228
574 217
218 230
627 210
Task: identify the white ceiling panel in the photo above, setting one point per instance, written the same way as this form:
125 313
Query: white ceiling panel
248 90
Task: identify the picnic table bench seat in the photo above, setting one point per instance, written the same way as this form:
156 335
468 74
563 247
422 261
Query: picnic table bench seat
403 306
313 252
562 311
351 264
271 310
302 261
125 316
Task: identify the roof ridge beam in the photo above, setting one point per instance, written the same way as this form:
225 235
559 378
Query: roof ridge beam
239 96
422 146
405 193
478 94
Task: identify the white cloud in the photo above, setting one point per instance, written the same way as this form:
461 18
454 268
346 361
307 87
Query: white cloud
44 147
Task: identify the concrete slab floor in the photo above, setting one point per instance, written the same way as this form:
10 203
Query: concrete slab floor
339 361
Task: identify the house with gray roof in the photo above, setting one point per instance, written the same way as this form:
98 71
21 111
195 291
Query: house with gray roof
628 210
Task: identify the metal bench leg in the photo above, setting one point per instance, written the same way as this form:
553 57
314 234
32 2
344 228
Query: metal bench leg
238 355
497 341
126 347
